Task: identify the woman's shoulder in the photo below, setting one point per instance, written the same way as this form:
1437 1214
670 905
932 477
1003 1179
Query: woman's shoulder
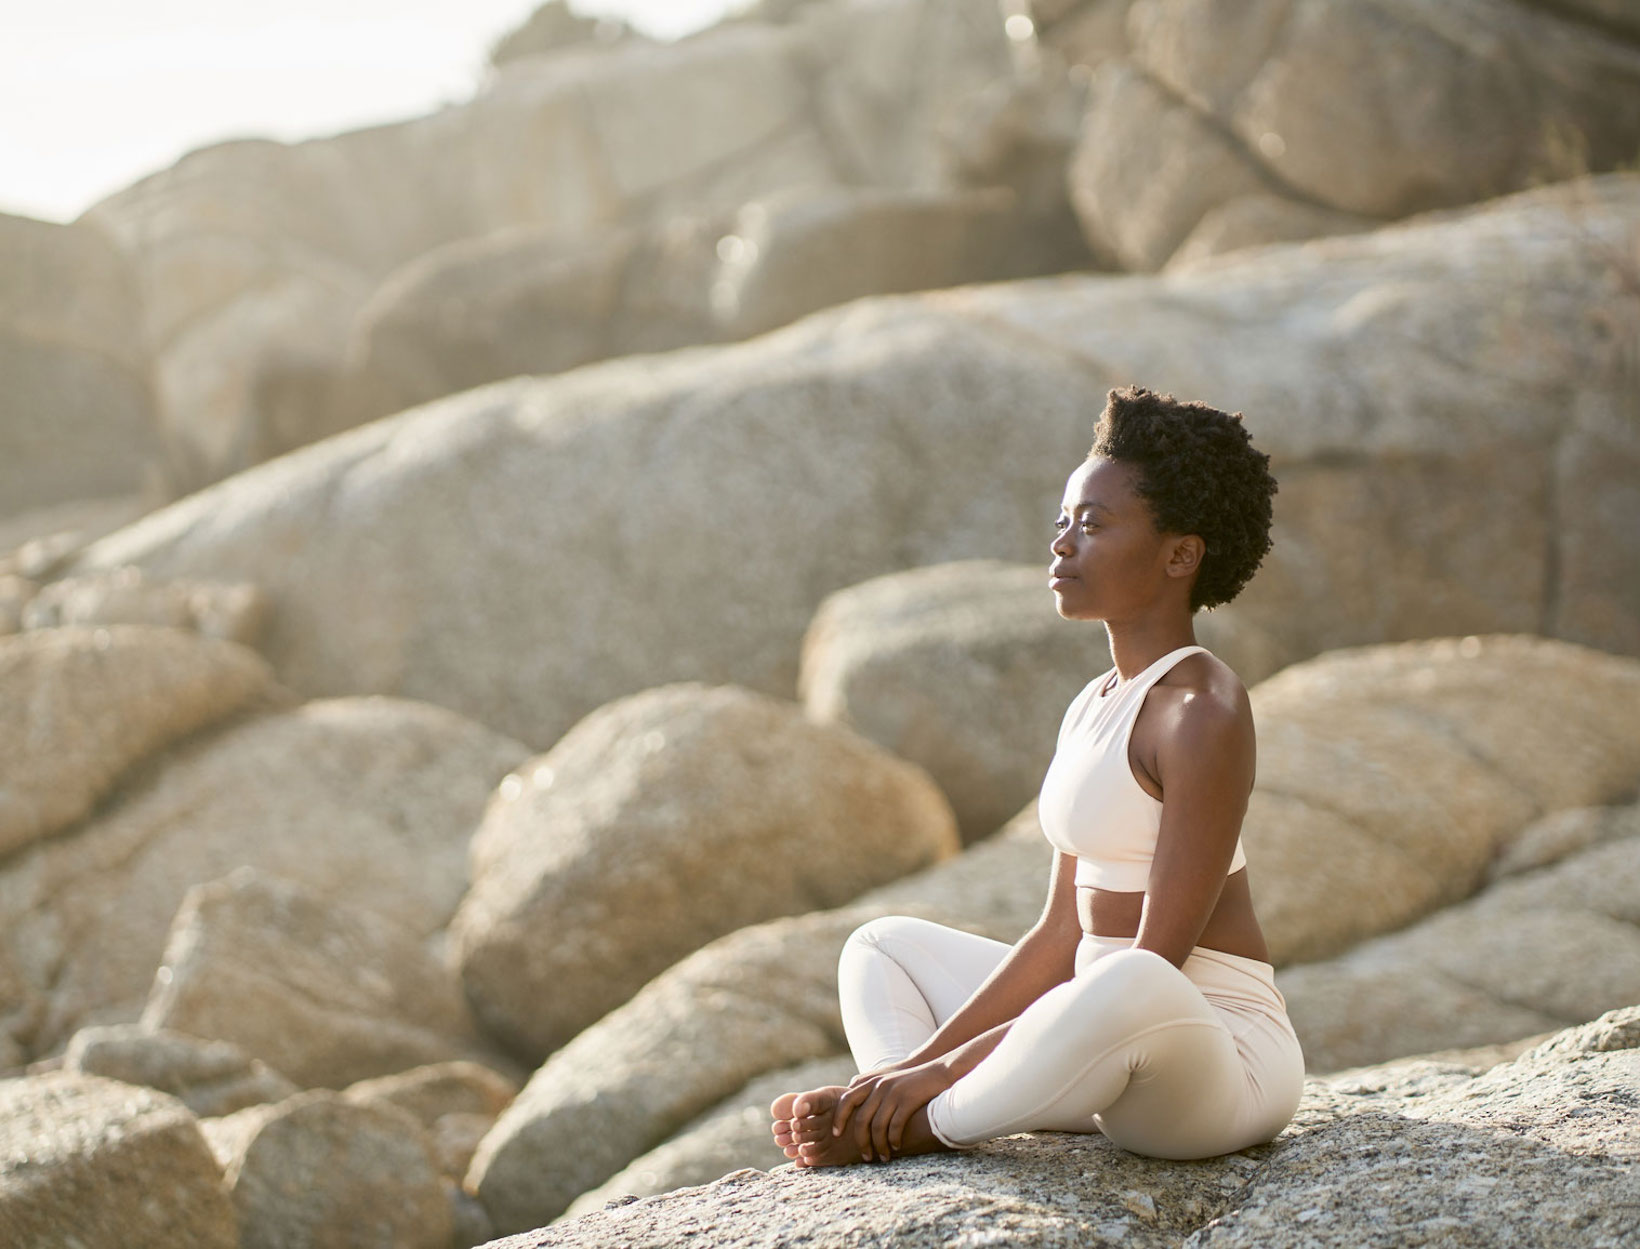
1203 686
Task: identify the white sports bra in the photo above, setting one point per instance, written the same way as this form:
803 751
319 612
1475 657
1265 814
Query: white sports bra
1091 804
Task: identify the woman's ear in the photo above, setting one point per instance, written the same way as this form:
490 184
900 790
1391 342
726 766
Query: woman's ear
1186 556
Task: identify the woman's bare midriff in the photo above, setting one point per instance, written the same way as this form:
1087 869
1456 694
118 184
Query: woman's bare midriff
1232 928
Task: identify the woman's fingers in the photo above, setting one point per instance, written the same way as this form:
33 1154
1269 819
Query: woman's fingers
896 1125
879 1131
862 1124
845 1107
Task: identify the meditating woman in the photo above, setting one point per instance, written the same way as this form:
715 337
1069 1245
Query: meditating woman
1142 1003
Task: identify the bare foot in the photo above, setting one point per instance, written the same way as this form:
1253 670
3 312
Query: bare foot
811 1123
781 1111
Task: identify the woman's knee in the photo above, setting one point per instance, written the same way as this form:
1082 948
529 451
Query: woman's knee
874 933
1132 989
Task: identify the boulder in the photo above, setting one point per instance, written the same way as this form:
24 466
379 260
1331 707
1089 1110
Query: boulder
35 543
1562 833
1346 115
92 702
209 1077
326 993
1405 382
659 823
76 413
262 256
1532 953
1540 1150
963 668
128 596
367 802
318 1171
1390 776
88 1161
758 999
456 1102
729 1137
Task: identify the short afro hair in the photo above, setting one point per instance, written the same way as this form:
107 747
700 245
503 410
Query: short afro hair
1197 468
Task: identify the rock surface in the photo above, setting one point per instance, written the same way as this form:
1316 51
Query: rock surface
1530 954
1403 380
726 1138
1346 114
235 612
370 802
1536 1151
326 993
76 413
659 823
91 702
87 1161
317 1171
209 1077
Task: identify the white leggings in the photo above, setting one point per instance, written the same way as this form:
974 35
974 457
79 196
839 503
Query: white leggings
1169 1062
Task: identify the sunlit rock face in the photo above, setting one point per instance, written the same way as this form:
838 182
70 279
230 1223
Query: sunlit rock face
365 802
255 259
77 408
1449 427
661 822
1350 114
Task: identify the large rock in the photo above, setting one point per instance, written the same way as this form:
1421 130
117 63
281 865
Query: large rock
317 1171
1406 382
456 1102
659 823
1390 776
1530 954
88 703
1536 1151
209 1077
1345 113
76 412
259 257
325 993
87 1161
366 802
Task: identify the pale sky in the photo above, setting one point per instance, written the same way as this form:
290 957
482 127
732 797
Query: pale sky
96 93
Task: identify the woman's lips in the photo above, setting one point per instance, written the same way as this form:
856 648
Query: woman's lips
1059 582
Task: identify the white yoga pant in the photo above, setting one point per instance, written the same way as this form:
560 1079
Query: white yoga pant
1168 1062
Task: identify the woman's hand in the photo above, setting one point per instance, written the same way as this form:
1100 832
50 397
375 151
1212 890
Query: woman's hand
881 1103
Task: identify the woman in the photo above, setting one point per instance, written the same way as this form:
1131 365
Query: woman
1142 1003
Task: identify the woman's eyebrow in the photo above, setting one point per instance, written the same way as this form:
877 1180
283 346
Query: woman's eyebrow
1088 506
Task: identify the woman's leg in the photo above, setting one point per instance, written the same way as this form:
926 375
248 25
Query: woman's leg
899 979
1129 1047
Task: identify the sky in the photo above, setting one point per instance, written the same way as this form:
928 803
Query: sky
96 93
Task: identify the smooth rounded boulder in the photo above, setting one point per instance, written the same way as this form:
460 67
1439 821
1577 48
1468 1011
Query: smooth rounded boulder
659 823
88 703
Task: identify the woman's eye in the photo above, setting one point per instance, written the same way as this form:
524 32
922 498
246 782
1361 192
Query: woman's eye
1058 522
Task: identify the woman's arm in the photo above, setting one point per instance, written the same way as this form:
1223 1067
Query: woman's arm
1205 760
1043 957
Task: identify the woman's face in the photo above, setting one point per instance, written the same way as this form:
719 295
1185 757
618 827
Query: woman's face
1110 560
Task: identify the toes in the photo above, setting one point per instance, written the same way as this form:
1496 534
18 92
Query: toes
781 1107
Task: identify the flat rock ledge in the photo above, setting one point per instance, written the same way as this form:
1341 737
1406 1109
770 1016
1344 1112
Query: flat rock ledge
1540 1150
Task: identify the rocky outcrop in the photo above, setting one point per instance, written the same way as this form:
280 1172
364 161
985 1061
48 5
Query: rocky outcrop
87 1161
635 1077
659 823
76 413
456 1102
1551 946
366 802
256 258
208 1077
1405 382
319 1171
1539 1150
1346 114
325 993
91 702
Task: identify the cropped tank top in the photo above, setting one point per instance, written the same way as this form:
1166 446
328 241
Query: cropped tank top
1091 804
